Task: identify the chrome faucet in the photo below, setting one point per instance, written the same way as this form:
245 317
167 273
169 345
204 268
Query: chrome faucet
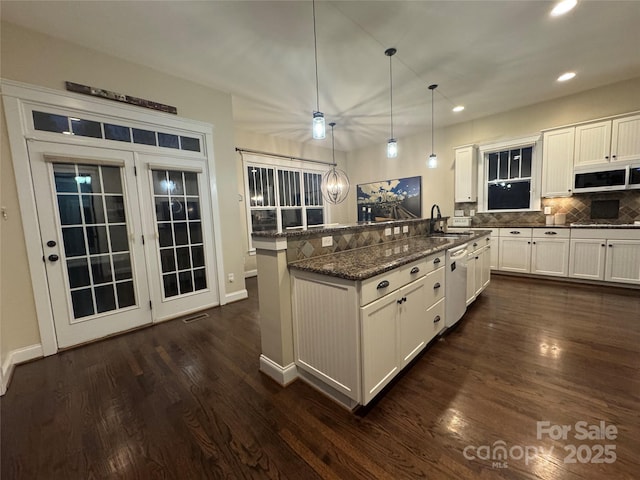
432 221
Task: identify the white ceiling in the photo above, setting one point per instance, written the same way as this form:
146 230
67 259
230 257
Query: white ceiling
490 56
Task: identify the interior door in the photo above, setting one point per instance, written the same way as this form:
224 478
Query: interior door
181 249
90 229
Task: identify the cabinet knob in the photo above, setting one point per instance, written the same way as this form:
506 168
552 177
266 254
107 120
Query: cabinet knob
529 243
436 285
436 261
414 270
383 284
475 244
603 245
613 156
437 319
53 257
606 157
534 243
610 246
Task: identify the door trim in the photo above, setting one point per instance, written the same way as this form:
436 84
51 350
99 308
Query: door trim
18 97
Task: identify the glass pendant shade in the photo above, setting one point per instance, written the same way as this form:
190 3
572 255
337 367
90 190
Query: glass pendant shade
432 162
392 148
319 131
335 186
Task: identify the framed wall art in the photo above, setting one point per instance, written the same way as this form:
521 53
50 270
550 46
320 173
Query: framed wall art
390 200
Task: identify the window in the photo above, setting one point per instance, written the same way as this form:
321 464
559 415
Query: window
281 197
509 177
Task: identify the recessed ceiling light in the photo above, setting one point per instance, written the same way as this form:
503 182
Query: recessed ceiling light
566 76
458 108
563 7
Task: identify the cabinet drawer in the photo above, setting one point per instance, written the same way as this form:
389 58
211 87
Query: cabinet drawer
434 287
413 271
551 233
435 319
377 287
434 262
478 243
515 232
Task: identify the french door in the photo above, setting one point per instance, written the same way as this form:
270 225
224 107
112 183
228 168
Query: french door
127 238
90 230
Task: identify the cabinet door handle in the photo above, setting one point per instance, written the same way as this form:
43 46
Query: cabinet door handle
534 243
436 285
550 233
475 244
529 243
399 302
436 261
383 284
603 245
437 319
613 156
610 246
514 232
414 270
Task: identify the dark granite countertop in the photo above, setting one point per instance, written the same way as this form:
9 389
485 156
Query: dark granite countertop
328 229
366 262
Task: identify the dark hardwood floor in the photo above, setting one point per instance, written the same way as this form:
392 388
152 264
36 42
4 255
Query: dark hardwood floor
186 401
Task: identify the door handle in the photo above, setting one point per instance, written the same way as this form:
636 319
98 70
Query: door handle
53 257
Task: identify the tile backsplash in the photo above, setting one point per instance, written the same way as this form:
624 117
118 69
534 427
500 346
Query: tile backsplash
577 208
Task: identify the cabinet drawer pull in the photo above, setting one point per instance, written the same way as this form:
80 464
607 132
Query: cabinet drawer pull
437 319
383 284
550 233
514 232
475 244
603 245
414 270
436 261
437 285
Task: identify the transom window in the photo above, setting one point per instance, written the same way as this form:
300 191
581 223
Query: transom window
280 197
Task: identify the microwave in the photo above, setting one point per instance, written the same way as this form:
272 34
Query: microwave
600 178
634 176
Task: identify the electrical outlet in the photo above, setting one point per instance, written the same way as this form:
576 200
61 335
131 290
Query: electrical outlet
396 230
387 231
405 229
458 213
327 241
547 210
231 277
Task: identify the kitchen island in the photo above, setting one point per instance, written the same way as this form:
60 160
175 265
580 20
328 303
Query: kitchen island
349 315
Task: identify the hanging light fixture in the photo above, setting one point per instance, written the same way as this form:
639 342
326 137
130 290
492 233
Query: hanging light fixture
317 125
432 162
335 184
392 144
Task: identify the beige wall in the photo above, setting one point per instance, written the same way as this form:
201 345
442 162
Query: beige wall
37 59
370 164
270 144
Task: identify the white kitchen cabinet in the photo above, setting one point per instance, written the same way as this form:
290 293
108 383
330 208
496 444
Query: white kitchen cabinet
351 338
478 267
593 143
550 252
612 255
515 250
380 357
466 174
586 258
623 261
608 141
557 162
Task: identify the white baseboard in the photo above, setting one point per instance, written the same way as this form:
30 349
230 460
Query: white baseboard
251 273
15 357
282 375
235 296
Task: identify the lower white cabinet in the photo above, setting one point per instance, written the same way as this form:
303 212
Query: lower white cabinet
550 254
515 254
478 267
354 337
612 255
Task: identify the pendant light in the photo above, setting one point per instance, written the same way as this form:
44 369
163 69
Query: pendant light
317 125
432 162
392 144
335 184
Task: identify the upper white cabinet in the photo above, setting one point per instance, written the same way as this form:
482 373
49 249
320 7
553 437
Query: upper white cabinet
557 162
608 141
466 176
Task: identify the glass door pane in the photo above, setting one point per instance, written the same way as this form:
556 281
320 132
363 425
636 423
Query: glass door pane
95 235
177 203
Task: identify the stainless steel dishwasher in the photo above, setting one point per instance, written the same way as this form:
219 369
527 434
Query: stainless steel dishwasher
456 284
